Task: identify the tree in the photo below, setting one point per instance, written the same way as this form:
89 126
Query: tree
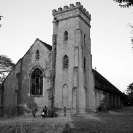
0 19
130 89
125 3
6 66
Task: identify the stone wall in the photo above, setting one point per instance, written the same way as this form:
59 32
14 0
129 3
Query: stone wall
17 97
112 100
29 63
10 90
76 21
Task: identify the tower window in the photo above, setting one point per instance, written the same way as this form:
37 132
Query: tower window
84 64
84 38
37 55
65 36
36 82
65 62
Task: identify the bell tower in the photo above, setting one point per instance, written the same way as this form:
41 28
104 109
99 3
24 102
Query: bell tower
73 63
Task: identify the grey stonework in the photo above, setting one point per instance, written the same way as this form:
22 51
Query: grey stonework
68 78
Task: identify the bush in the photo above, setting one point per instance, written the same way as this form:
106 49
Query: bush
52 112
102 106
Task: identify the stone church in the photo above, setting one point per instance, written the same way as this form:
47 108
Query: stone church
60 75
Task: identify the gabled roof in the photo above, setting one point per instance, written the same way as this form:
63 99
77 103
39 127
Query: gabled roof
47 45
103 84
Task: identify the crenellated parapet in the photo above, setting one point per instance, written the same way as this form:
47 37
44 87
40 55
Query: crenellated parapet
71 7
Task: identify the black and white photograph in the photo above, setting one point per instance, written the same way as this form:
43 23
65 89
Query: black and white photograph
66 66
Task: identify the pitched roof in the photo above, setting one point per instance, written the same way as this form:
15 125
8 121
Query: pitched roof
47 45
103 84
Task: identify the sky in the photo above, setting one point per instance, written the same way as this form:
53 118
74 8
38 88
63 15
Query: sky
112 54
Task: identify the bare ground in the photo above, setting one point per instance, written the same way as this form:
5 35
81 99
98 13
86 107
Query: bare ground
116 121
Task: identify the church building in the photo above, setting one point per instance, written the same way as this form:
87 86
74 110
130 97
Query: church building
60 75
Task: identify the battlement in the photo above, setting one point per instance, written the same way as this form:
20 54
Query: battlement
71 7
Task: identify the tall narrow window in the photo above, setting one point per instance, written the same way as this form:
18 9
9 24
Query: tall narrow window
84 38
65 36
37 55
84 64
65 95
65 62
37 82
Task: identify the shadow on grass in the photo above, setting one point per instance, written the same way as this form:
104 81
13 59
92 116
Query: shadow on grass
83 124
67 129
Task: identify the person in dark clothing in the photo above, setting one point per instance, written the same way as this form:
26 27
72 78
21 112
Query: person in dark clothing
45 111
34 112
64 111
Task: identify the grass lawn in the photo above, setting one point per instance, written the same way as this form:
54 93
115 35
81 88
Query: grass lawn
115 121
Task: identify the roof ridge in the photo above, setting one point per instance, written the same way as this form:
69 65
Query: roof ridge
47 45
108 84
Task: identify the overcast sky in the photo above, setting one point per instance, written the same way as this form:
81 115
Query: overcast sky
112 55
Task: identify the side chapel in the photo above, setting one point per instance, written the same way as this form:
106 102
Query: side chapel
60 75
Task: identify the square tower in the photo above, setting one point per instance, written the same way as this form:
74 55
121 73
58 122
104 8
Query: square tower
72 62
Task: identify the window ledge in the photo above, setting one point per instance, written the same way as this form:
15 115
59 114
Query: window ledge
36 95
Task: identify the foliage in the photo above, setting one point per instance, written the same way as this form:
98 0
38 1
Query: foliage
130 89
124 99
0 19
103 104
125 3
6 66
130 99
52 112
131 26
129 92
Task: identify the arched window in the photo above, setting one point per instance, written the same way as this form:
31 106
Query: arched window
65 95
37 82
65 62
65 36
37 55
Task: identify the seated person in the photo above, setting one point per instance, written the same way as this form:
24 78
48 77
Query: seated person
44 112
